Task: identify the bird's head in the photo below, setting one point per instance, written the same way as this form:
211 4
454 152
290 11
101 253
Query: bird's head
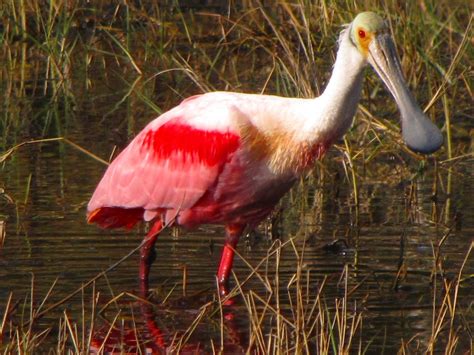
370 34
365 27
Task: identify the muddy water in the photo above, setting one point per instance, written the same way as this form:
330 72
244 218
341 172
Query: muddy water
404 210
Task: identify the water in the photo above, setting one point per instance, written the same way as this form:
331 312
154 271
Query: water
398 222
48 238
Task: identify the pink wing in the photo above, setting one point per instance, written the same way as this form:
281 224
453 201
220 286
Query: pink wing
166 167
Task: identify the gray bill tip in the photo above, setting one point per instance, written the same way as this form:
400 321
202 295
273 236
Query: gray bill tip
421 135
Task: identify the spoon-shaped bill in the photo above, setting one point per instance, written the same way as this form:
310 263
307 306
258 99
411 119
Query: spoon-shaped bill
418 132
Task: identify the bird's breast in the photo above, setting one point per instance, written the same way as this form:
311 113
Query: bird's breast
281 151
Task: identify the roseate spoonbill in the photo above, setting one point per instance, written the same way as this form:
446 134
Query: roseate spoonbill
227 158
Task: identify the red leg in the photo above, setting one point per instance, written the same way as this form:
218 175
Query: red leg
232 235
147 256
158 336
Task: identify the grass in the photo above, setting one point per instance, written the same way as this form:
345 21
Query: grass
296 44
58 54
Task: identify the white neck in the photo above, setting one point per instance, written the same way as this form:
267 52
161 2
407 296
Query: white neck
337 105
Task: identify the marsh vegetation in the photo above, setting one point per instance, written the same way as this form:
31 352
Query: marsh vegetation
370 252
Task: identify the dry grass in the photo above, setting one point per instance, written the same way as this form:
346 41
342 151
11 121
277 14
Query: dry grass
292 316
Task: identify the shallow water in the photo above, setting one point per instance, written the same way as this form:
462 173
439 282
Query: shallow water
48 238
398 221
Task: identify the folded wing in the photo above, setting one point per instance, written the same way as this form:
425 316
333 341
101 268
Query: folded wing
166 167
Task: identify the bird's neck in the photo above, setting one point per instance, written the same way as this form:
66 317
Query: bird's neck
338 103
346 78
312 125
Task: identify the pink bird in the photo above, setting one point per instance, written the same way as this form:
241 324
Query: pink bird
228 158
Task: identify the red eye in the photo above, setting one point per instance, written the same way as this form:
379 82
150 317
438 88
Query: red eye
361 33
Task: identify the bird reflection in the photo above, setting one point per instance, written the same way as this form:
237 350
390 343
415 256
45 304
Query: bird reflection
156 330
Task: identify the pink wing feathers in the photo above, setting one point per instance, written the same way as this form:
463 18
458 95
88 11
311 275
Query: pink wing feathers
167 166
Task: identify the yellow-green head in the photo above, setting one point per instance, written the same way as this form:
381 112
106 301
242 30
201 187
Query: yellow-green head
364 28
